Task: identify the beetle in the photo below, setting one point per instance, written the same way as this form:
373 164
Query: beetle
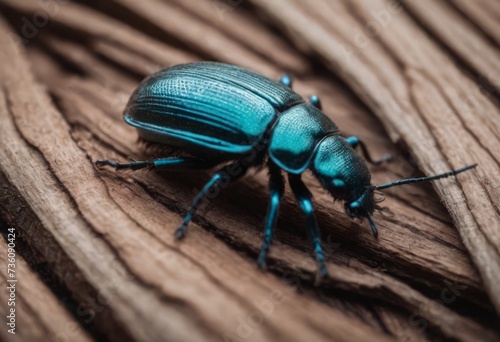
214 113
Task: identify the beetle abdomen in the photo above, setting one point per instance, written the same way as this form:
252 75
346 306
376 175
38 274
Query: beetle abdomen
202 113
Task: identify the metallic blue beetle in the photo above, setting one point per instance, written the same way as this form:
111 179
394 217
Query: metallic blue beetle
217 113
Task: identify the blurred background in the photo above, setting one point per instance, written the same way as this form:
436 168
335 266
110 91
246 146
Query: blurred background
94 249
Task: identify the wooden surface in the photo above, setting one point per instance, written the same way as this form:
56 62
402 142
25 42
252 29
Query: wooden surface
423 85
34 300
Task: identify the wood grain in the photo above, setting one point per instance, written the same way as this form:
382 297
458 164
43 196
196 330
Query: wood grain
108 236
473 48
33 300
484 14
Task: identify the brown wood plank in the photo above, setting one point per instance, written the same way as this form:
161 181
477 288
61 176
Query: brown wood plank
231 20
38 314
471 47
190 34
90 24
483 13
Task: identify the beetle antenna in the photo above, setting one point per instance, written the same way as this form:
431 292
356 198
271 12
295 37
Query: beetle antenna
372 224
423 179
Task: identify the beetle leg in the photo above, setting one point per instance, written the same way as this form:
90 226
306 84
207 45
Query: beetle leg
355 142
315 101
276 190
225 175
286 80
164 163
304 199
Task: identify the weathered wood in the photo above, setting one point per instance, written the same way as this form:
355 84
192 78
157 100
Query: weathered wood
244 31
39 315
119 226
90 24
484 14
472 47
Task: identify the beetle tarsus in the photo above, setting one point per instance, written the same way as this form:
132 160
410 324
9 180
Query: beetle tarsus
180 232
323 271
373 226
103 162
354 141
261 261
321 274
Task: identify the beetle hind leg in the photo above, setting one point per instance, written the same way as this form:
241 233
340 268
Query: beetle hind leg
164 163
355 142
304 199
223 177
276 190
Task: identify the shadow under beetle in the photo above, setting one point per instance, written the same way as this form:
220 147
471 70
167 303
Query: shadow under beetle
223 114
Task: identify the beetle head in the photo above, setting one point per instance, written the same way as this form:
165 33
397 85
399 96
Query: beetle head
343 172
363 205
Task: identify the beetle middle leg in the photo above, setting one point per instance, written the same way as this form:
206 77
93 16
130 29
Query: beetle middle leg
228 173
355 142
276 190
304 199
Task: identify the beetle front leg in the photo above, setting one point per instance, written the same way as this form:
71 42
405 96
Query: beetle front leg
355 142
164 163
228 173
276 190
304 199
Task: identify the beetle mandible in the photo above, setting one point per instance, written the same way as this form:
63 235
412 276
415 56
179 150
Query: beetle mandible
218 113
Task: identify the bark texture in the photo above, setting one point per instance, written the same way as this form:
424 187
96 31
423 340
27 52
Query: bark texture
416 79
